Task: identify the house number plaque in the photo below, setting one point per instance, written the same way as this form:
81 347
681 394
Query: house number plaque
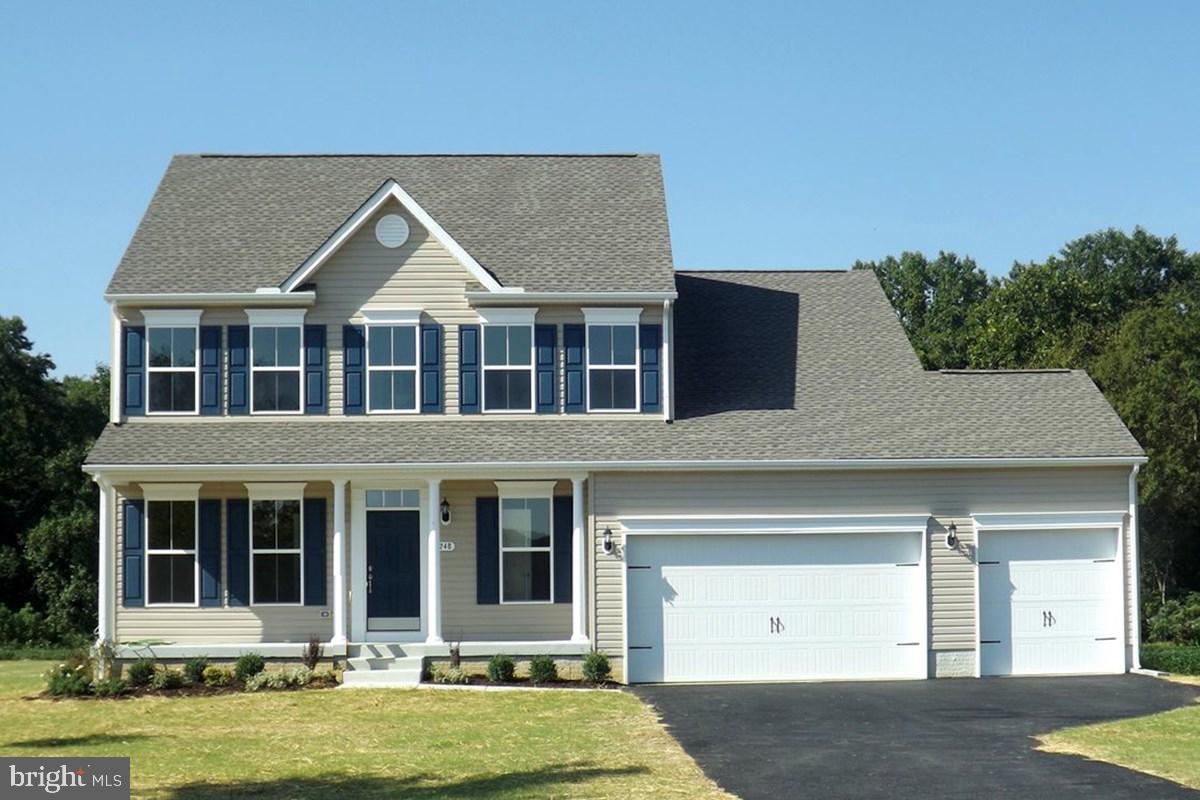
447 547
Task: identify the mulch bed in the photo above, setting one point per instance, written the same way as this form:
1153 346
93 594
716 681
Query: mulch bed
196 690
525 683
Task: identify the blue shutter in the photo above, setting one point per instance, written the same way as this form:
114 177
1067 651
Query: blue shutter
239 369
314 370
237 550
575 369
135 553
650 338
210 370
468 369
487 551
314 551
353 352
564 519
133 370
545 339
431 369
210 553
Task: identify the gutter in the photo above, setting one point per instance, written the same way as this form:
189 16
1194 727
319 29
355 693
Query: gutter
165 299
566 298
443 468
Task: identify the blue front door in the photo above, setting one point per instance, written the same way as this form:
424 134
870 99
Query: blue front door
393 570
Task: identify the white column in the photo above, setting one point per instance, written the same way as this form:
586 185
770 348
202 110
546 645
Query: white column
1135 572
105 597
433 603
339 562
578 564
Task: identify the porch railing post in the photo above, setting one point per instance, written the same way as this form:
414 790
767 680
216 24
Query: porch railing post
578 564
433 604
339 561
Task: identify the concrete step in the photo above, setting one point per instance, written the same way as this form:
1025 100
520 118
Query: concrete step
382 671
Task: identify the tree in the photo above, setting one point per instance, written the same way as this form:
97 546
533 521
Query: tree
1150 372
932 300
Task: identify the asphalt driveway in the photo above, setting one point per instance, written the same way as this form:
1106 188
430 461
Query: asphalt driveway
929 739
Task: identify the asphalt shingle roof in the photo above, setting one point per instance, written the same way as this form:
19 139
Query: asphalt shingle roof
543 223
771 366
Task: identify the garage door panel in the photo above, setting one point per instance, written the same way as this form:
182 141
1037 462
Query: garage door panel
771 617
1052 603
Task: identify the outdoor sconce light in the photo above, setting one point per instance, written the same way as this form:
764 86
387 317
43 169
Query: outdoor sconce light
952 536
445 511
608 542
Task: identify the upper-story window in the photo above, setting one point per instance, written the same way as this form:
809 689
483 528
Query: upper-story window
172 361
392 362
276 368
508 360
612 358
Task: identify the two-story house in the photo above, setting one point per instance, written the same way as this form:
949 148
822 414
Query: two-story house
396 402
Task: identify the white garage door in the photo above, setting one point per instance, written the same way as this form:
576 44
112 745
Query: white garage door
746 607
1050 602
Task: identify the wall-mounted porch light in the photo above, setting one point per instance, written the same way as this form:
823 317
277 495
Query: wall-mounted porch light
608 542
952 536
445 511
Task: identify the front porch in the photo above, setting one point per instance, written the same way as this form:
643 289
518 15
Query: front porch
494 563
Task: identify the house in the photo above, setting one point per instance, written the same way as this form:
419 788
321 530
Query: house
398 402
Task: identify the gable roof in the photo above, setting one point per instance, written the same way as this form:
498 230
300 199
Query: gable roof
220 223
771 367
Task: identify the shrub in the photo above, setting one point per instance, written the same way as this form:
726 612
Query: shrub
248 665
1176 621
313 652
140 672
500 668
1171 658
215 676
542 669
110 687
258 681
596 668
67 680
193 669
324 677
298 677
167 678
455 675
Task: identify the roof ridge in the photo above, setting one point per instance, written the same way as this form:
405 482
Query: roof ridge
416 155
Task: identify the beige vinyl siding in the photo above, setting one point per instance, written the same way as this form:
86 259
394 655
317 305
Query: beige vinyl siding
947 495
462 617
219 625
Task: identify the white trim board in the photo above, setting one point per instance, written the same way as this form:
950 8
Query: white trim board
238 299
693 525
390 190
1050 521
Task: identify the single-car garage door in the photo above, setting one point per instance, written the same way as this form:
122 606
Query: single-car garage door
1050 602
764 607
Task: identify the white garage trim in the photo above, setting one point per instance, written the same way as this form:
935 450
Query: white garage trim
1075 520
840 523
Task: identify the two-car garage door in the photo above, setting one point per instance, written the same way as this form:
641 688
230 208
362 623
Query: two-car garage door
762 607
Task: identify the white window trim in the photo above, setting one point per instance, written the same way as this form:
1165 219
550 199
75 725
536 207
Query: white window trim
525 490
264 495
510 318
612 316
636 366
194 552
276 317
415 369
298 369
170 320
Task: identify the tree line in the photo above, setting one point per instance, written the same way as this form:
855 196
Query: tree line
1123 306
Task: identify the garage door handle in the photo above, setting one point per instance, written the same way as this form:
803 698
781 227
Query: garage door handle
912 564
987 563
639 566
640 647
907 644
990 641
1106 638
1103 560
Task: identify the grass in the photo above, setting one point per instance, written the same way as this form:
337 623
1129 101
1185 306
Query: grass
1166 744
361 743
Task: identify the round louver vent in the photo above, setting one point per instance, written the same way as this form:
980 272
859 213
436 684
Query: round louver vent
391 230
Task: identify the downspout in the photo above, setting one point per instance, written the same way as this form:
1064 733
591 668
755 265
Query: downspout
1135 589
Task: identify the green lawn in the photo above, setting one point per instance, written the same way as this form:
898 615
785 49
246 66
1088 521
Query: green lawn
361 743
1166 744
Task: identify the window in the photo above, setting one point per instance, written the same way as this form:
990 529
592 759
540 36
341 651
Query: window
391 368
172 361
276 542
393 498
526 547
508 368
171 568
612 367
275 368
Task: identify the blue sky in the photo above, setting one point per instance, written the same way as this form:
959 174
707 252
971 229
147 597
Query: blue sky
792 134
